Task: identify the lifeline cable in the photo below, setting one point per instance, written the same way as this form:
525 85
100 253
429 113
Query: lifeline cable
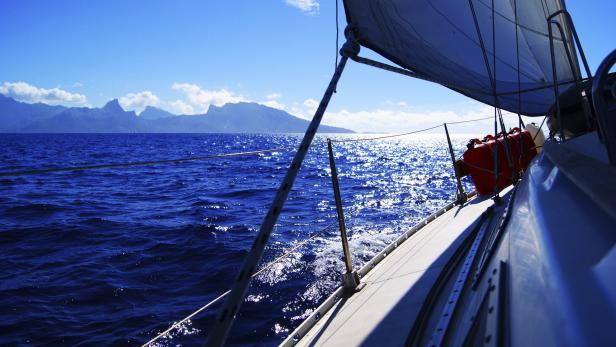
412 132
469 121
387 136
275 261
235 154
140 163
221 296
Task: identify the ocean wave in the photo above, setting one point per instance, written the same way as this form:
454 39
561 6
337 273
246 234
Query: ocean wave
115 256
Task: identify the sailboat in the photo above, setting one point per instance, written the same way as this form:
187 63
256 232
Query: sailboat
530 263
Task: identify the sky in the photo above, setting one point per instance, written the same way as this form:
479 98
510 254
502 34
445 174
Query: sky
184 55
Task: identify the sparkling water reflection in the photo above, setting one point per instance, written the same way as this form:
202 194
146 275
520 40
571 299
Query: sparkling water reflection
114 256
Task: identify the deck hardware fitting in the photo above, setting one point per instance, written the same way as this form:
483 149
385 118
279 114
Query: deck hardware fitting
483 223
350 279
494 238
496 307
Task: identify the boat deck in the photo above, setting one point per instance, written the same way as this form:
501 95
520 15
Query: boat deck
384 310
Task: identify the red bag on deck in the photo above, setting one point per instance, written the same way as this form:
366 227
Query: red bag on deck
478 160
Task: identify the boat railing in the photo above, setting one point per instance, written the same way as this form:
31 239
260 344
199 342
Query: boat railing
351 278
551 22
604 106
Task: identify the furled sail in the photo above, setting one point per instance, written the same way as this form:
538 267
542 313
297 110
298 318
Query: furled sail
439 40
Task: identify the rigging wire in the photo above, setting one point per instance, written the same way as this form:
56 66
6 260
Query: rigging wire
492 78
337 36
387 136
469 121
140 163
498 113
181 160
517 53
214 156
302 243
496 104
508 154
221 296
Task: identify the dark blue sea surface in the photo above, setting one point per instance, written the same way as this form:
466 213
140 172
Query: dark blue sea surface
114 256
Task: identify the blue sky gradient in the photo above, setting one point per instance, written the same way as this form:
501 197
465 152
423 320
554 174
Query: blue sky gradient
198 51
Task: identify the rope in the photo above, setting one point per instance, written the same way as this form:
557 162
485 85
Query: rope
387 136
221 296
139 163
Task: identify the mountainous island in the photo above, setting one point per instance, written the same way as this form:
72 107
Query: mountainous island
19 117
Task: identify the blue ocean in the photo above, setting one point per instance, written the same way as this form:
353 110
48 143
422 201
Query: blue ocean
114 256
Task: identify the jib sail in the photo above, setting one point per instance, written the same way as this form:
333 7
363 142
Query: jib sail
449 41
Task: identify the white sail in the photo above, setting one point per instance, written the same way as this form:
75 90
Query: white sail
439 39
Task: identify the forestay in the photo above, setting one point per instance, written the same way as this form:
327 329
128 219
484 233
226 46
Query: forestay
439 39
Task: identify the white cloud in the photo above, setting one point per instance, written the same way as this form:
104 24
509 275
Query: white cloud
306 6
272 101
201 99
388 120
400 120
138 101
398 104
180 107
77 85
25 92
311 105
274 104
